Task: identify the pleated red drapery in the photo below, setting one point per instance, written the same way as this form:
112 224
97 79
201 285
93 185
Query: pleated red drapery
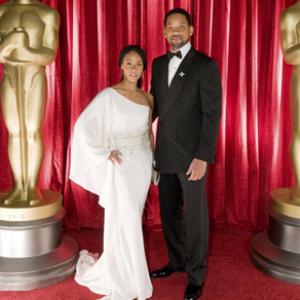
243 36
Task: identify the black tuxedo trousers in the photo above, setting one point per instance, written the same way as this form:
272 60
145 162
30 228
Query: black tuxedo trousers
184 217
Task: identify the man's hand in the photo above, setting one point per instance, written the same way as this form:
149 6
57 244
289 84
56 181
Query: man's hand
197 169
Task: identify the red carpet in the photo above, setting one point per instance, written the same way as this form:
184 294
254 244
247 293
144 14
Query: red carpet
231 275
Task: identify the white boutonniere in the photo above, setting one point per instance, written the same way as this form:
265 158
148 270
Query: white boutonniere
181 74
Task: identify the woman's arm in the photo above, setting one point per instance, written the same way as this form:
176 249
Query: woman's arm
151 136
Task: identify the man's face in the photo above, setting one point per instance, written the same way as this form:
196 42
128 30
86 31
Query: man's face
177 31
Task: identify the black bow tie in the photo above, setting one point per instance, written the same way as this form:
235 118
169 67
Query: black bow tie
172 54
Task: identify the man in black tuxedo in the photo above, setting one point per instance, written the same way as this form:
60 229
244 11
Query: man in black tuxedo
187 99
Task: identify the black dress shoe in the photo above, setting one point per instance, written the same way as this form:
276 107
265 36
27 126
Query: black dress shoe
193 292
164 272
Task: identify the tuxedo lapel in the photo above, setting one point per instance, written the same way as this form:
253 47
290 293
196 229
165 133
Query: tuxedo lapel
164 79
172 92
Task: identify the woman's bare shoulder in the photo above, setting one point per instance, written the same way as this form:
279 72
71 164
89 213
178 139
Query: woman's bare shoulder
149 98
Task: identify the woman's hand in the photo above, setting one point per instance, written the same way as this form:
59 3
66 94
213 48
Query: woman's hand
115 156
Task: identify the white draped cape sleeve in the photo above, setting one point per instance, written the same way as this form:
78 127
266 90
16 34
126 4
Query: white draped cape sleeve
91 145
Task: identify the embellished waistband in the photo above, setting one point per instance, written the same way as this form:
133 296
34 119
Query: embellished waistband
131 142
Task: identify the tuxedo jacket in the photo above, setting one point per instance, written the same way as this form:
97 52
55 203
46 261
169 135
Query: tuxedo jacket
188 111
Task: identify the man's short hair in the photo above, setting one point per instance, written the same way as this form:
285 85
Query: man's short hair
178 11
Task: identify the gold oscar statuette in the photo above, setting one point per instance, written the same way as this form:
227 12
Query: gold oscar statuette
28 42
287 200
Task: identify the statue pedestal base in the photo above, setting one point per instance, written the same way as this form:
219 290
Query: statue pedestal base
277 252
21 274
33 251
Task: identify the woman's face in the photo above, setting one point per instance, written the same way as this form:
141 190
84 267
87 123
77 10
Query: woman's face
132 67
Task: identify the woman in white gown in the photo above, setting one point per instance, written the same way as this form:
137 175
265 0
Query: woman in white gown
112 157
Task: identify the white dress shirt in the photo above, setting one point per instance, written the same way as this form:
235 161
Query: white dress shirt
175 61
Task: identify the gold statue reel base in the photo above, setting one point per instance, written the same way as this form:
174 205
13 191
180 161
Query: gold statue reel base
46 208
284 202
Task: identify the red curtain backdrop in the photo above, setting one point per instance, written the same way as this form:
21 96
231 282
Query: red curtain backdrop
243 36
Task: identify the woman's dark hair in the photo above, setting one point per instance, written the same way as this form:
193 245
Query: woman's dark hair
137 49
180 11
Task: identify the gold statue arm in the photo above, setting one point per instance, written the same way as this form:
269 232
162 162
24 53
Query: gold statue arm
41 56
2 38
2 59
289 41
21 52
13 40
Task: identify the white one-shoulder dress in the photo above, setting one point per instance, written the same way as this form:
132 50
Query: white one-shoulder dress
112 122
